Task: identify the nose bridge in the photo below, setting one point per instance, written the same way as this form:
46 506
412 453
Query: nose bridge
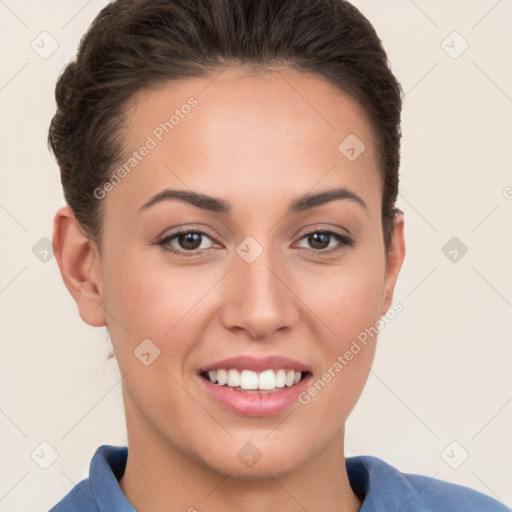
260 300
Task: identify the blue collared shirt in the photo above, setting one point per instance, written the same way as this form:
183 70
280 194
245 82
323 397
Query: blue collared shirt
382 487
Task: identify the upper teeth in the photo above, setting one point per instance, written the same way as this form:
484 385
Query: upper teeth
247 379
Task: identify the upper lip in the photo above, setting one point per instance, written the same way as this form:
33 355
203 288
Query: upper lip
256 364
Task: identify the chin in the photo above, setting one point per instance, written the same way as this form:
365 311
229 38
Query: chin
245 460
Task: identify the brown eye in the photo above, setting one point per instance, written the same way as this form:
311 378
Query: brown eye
320 240
187 242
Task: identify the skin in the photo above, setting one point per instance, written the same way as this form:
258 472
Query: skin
257 141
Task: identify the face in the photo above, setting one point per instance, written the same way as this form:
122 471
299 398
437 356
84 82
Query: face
249 272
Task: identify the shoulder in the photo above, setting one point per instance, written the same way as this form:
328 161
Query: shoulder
100 492
78 499
385 486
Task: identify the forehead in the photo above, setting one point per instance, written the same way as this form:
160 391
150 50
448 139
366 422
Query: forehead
254 99
248 134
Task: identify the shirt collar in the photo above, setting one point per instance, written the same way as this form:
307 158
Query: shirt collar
376 483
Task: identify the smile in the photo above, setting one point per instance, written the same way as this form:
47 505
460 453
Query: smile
251 381
255 386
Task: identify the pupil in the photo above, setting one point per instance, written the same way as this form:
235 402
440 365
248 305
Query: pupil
190 238
315 238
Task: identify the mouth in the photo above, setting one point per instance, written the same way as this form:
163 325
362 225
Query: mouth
249 381
255 386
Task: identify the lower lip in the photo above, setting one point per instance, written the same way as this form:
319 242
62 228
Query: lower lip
255 404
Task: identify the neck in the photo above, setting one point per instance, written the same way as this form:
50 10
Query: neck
160 477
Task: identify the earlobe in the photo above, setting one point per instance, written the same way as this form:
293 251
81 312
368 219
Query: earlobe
395 258
79 265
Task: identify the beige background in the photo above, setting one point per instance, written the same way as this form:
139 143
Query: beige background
442 370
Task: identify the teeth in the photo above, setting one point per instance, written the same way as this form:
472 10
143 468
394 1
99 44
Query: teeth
247 379
267 380
222 377
280 378
233 378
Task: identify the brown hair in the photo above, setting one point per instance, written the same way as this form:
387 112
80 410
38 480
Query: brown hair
135 44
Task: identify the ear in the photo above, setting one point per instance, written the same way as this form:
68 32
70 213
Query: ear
394 260
80 267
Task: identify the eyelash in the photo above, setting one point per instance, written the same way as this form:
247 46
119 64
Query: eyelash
344 241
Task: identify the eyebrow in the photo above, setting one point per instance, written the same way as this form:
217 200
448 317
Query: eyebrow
216 205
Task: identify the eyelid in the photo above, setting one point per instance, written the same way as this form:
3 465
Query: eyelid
163 240
327 229
344 240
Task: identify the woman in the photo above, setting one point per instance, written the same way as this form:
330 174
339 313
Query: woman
231 171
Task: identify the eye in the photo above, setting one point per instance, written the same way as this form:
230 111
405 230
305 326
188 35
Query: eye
188 242
320 240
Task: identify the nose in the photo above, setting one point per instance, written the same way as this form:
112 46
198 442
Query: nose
260 298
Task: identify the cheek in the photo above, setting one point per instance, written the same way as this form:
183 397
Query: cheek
141 294
149 300
346 298
134 299
348 304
